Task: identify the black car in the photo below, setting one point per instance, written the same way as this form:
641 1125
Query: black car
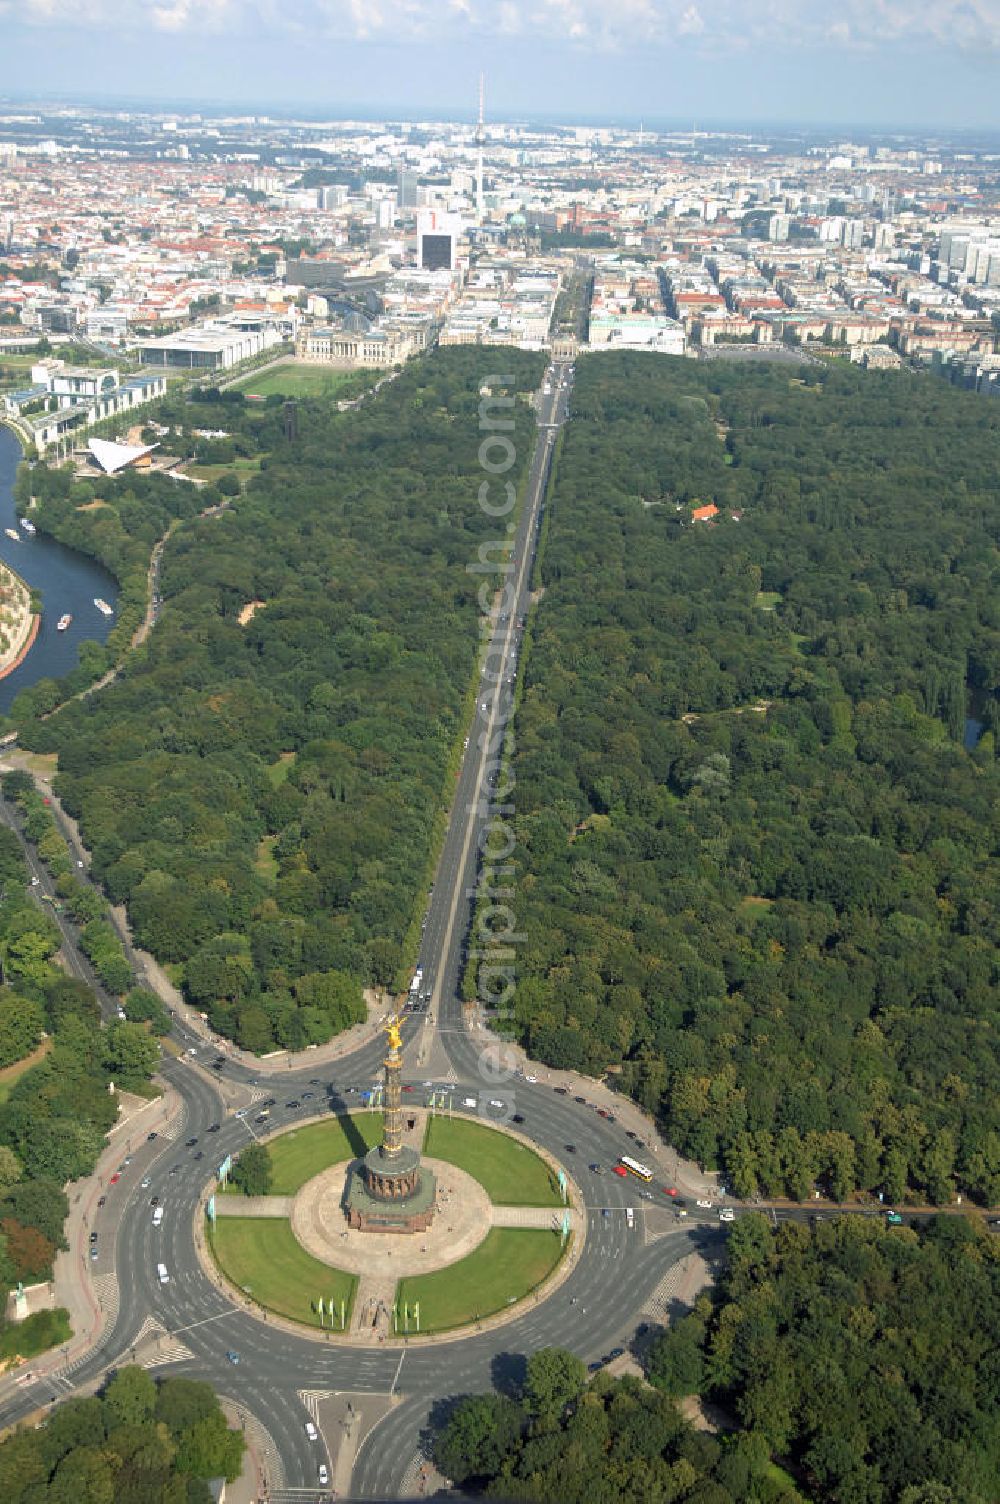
93 1237
102 1200
630 1134
200 1154
269 1102
174 1170
617 1352
308 1095
154 1200
594 1367
215 1128
292 1104
517 1118
570 1148
581 1100
190 1143
561 1090
150 1137
315 1081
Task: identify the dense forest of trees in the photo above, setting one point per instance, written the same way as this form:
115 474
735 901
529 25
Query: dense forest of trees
265 797
140 1441
54 1116
849 1361
778 927
560 1440
865 1356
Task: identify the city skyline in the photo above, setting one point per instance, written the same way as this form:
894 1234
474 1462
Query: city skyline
870 66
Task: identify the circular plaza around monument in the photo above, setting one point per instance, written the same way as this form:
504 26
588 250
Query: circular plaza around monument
499 1232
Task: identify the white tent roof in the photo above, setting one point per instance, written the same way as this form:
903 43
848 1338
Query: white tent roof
114 457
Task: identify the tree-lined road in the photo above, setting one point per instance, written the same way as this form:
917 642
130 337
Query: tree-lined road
197 1323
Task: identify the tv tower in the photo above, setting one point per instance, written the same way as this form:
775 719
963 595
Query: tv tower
480 138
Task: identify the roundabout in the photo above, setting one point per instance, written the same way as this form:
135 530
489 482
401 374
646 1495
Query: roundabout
489 1244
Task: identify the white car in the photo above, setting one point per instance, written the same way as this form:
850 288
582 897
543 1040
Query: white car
706 1206
311 1431
727 1214
324 1476
532 1079
145 1182
495 1102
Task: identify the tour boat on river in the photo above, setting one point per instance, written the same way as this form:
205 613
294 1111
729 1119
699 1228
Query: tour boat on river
63 622
103 606
28 526
12 534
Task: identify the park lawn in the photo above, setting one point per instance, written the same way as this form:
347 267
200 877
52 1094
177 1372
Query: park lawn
507 1265
509 1172
299 1155
278 771
241 468
261 1256
299 381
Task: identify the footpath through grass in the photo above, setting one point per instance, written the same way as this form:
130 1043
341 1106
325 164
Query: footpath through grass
11 1074
261 1256
510 1173
299 1155
506 1266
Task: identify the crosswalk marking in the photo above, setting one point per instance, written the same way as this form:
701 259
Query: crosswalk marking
108 1296
171 1352
313 1398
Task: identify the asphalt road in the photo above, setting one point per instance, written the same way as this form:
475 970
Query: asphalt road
189 1320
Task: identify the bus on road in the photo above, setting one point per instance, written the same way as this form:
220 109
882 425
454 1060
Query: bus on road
641 1172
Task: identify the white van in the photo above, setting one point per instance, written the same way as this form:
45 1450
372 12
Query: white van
157 1215
162 1275
629 1216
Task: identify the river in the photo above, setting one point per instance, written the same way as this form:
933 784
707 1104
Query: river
67 581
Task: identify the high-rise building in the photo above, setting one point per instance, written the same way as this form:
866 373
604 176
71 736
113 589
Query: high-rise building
406 188
480 138
437 239
332 197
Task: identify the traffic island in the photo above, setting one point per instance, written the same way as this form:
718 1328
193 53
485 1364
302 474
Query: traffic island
477 1260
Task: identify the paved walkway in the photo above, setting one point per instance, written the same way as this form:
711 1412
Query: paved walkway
462 1218
253 1206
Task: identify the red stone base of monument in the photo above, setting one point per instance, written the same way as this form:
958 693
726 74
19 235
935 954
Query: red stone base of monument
362 1222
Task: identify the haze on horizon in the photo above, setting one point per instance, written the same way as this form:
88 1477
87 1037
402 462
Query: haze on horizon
882 63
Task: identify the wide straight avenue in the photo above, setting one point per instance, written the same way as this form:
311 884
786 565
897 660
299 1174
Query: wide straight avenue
192 1323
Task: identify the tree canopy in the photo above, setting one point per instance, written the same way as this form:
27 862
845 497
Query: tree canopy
756 874
264 792
140 1442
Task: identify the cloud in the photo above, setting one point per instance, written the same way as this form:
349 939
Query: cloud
622 27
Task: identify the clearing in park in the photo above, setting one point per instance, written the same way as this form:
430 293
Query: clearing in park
263 1258
507 1266
510 1173
304 381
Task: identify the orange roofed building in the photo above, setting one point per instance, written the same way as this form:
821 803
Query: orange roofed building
705 514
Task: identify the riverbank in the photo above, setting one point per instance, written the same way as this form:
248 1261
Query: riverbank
18 623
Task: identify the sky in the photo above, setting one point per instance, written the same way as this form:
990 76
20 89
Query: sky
902 63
